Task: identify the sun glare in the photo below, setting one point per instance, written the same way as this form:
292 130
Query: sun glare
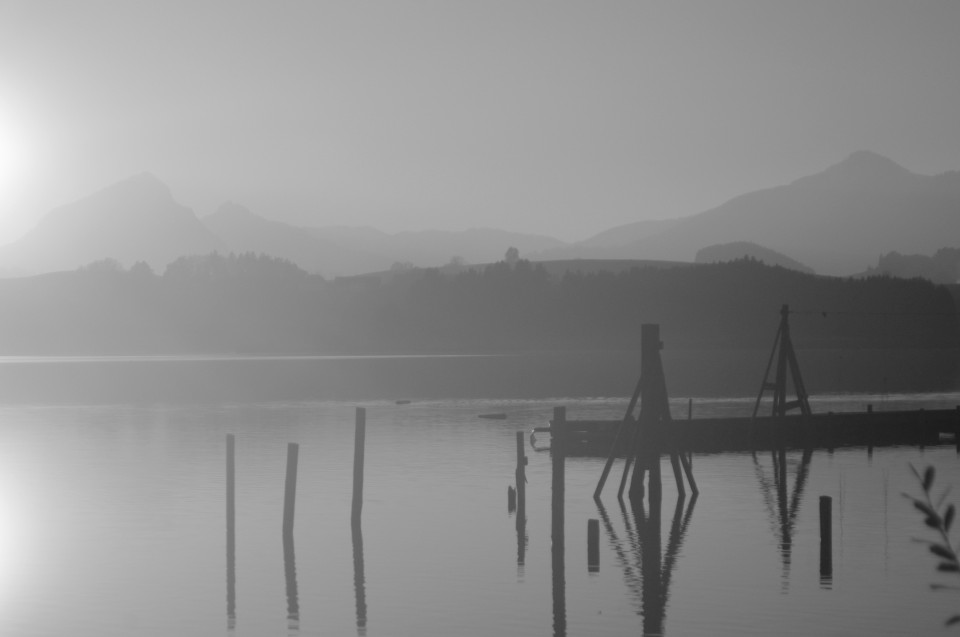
13 153
16 162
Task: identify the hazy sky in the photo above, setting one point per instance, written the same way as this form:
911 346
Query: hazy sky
552 117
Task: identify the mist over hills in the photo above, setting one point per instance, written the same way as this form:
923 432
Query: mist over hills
615 243
342 250
836 221
745 249
248 304
134 220
432 248
138 219
243 231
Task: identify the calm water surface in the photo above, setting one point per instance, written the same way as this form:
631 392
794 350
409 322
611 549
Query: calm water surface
112 522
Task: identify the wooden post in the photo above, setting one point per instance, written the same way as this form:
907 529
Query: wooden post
290 488
360 434
557 451
511 500
826 538
593 546
231 536
521 475
690 409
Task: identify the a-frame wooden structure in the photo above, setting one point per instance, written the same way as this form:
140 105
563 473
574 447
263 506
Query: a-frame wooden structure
643 437
786 359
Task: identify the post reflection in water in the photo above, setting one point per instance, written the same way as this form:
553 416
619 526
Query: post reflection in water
647 570
231 538
521 487
290 572
781 508
359 582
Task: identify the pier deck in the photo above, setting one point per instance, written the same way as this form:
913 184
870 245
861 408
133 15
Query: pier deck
716 435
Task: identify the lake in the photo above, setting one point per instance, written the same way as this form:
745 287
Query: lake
112 508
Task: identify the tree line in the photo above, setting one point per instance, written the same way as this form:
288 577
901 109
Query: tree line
253 304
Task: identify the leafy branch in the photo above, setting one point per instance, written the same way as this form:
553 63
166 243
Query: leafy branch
940 519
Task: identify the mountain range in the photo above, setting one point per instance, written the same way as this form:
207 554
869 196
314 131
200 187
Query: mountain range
837 221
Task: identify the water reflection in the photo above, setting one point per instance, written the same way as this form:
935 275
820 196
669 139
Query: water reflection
782 509
647 570
231 538
521 510
359 582
290 574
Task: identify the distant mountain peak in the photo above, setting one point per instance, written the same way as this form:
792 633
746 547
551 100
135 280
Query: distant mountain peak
866 167
135 219
145 180
233 209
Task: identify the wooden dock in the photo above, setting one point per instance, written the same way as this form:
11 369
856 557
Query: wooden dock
740 434
642 439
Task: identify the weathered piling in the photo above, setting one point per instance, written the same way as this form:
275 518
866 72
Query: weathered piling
290 488
360 433
557 444
690 409
826 538
231 535
593 546
521 475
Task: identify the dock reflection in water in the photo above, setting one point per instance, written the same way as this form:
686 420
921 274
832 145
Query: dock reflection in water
783 510
647 569
145 485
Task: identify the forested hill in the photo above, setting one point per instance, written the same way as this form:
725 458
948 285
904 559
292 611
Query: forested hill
257 305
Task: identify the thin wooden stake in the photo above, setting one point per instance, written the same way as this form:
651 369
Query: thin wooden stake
521 476
593 546
826 538
360 434
290 488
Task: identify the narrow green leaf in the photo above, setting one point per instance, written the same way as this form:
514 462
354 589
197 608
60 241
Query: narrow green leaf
947 567
953 620
928 478
933 522
948 517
